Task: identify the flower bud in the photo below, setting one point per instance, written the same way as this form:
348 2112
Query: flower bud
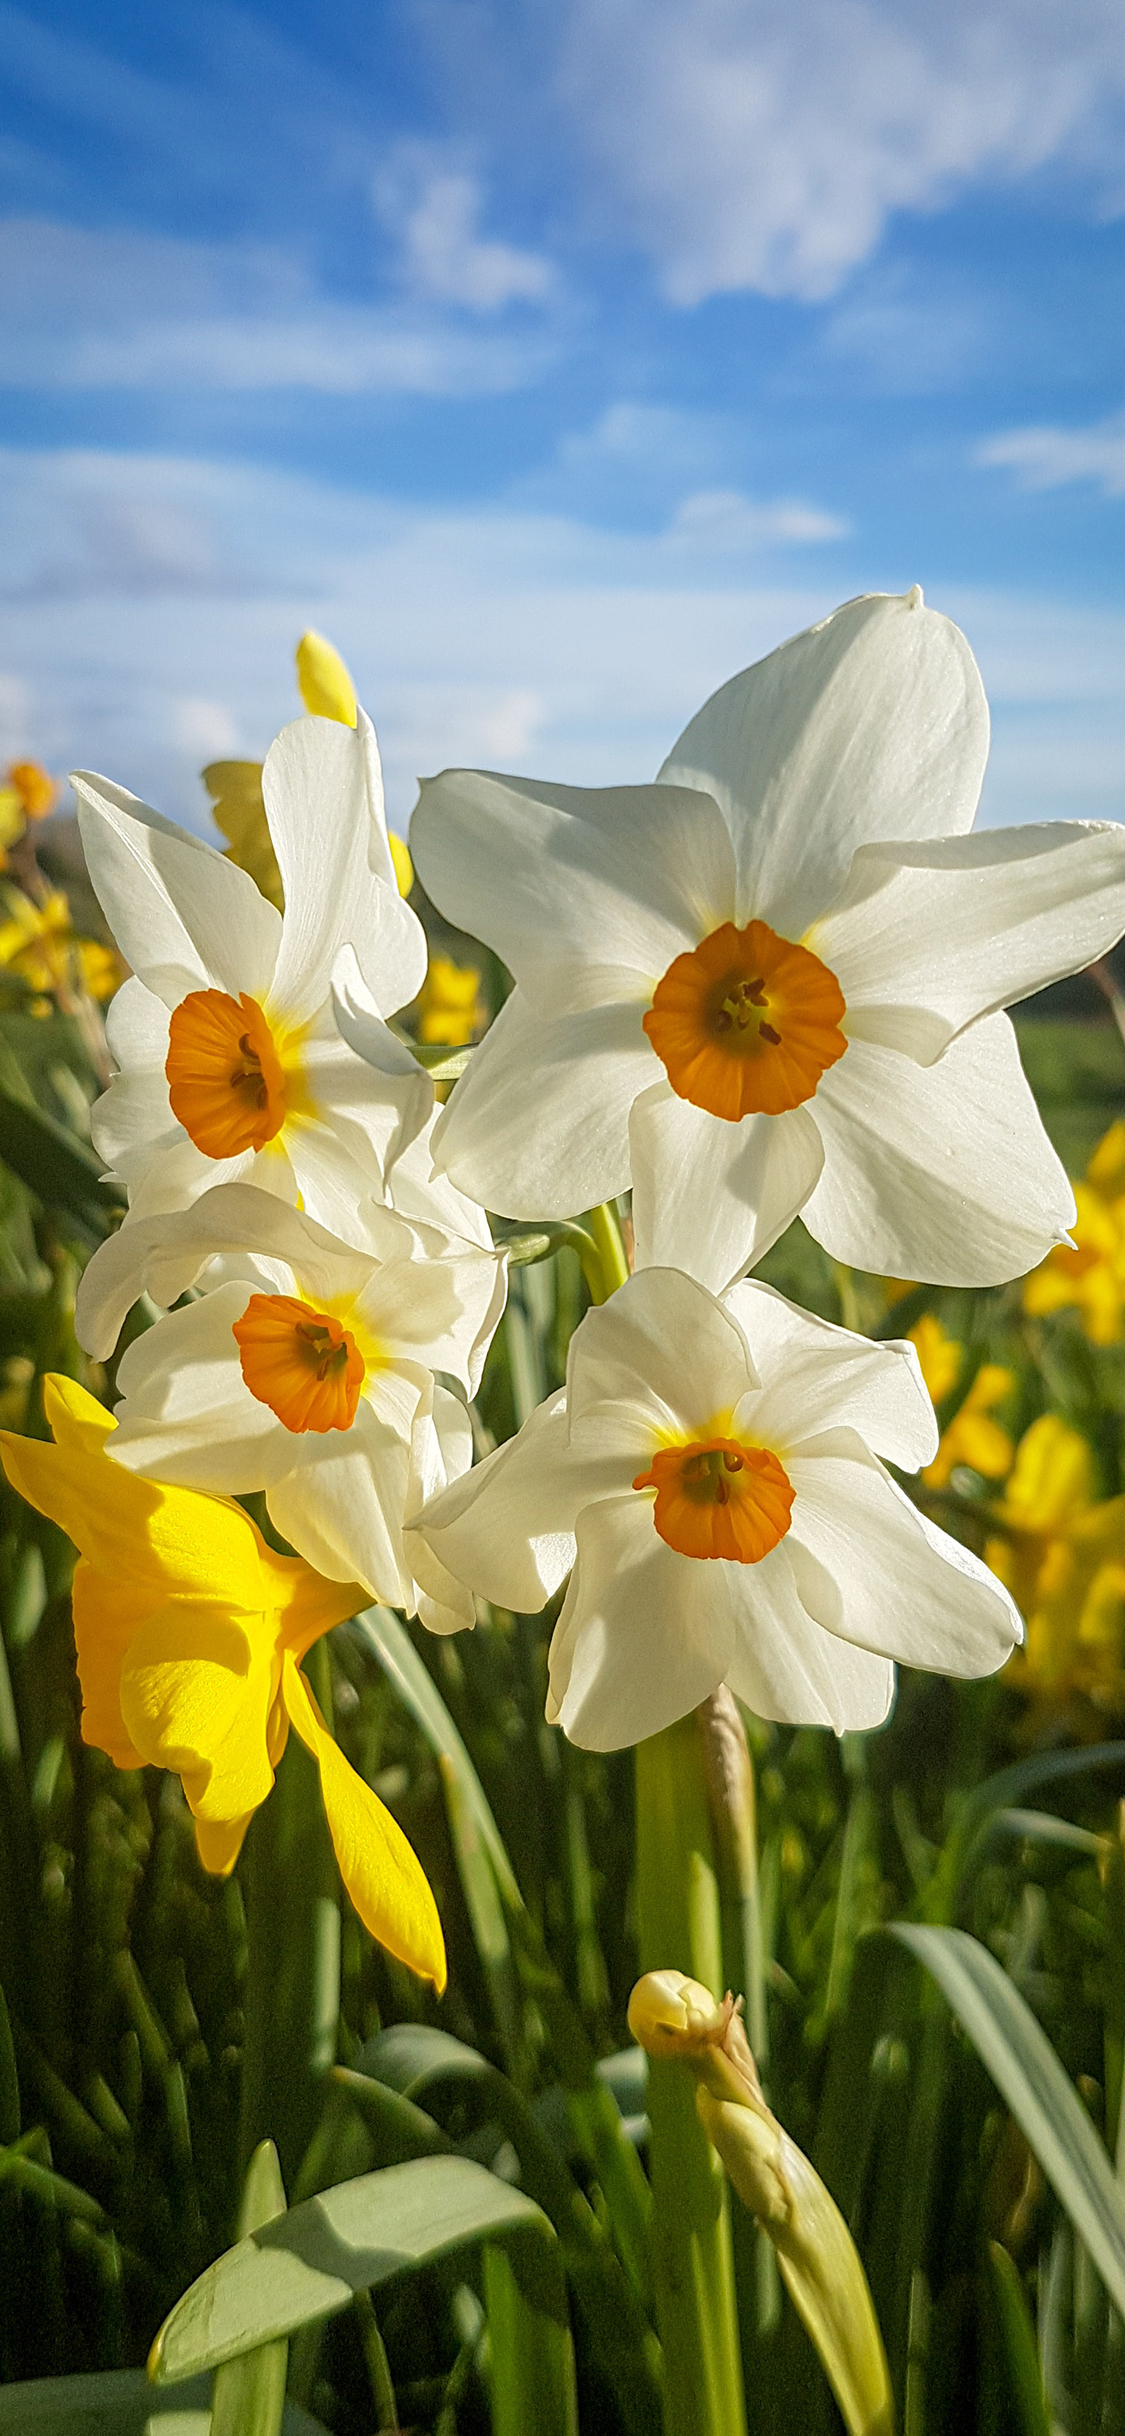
326 687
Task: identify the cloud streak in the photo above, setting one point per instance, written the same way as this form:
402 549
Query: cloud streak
1046 457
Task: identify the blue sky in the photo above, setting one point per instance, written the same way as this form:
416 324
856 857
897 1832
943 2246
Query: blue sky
557 362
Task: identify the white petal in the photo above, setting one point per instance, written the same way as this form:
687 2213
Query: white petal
342 1507
136 1026
441 1450
936 935
869 1567
435 1300
661 1347
419 1191
708 1196
506 1529
815 1376
940 1172
556 878
871 725
786 1667
538 1125
329 835
645 1634
183 916
187 1414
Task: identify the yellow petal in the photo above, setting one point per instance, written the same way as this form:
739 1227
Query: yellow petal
219 1844
106 1617
326 687
235 788
306 1604
400 857
195 1696
384 1878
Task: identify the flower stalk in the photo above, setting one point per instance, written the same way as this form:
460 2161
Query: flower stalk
693 2266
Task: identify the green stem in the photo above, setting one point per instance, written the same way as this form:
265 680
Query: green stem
679 1928
613 1267
293 1960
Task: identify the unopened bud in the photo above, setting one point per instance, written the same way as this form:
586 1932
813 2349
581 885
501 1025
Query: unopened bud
326 687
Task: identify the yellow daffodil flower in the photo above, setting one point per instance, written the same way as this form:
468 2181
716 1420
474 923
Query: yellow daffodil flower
972 1437
190 1633
37 941
326 687
34 786
1060 1550
1088 1275
449 1006
673 2017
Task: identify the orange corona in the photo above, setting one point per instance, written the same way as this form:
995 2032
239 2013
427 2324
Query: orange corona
303 1363
225 1078
747 1022
717 1497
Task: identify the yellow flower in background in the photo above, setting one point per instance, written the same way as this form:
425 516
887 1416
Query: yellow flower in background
326 686
102 969
1060 1551
450 1009
972 1437
37 941
190 1633
400 857
34 786
1089 1275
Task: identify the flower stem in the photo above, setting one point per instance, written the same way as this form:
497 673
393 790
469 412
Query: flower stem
293 1961
679 1929
613 1266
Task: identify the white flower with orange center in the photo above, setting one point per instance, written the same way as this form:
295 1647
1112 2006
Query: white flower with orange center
772 981
710 1477
304 1368
236 1039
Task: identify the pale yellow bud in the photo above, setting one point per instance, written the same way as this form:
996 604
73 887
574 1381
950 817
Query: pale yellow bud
404 868
326 687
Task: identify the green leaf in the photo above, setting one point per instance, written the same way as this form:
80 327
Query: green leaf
532 2355
249 2395
118 2402
416 2059
1032 2082
1020 2347
307 2265
59 1168
1008 1789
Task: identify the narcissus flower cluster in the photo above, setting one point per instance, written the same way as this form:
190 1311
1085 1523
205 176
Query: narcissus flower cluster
771 982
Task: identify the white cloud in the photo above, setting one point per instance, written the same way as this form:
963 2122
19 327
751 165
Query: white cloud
90 309
434 206
764 144
495 635
1044 457
726 520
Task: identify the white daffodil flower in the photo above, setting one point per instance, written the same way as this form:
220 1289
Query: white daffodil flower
237 1056
771 981
711 1472
305 1369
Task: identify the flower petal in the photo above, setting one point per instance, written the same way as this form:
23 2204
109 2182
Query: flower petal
787 1668
711 1197
219 1842
385 1880
182 915
873 724
942 1172
188 1416
644 1635
663 1347
195 1694
324 803
107 1613
871 1568
644 871
936 935
441 1450
342 1506
815 1376
538 1126
506 1529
